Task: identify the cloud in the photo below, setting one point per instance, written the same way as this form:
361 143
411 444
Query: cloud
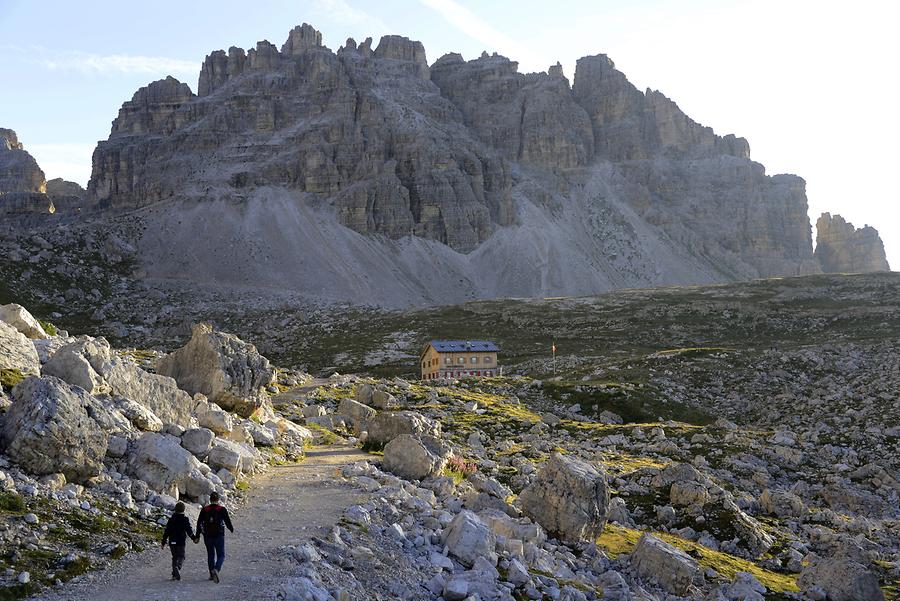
103 64
342 12
476 28
111 64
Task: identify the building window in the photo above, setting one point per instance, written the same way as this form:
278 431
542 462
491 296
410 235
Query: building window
474 360
487 359
462 359
447 360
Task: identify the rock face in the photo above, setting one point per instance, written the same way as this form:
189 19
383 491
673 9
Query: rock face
390 167
23 188
19 172
229 371
161 462
569 498
842 248
54 428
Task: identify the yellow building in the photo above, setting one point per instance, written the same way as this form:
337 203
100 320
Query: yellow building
459 359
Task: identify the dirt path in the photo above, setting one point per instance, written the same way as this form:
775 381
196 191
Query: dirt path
285 504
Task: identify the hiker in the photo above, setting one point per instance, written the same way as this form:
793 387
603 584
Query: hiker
212 523
178 529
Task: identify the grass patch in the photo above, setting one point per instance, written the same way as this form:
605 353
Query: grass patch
9 377
242 485
48 327
11 502
617 540
323 435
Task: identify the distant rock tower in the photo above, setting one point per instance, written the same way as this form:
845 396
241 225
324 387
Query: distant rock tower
842 248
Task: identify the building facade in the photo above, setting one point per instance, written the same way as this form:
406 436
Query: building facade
459 359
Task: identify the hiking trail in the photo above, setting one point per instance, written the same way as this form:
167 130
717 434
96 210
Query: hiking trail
286 504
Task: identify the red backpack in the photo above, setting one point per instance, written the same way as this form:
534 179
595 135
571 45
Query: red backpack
212 520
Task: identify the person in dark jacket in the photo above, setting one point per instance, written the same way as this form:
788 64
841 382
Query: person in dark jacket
178 529
212 523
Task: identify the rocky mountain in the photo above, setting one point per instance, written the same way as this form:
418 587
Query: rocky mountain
368 175
23 187
842 248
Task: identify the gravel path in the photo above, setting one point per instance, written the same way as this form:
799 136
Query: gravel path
285 504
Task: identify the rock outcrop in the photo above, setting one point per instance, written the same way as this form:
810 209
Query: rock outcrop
23 187
224 368
842 248
512 184
659 561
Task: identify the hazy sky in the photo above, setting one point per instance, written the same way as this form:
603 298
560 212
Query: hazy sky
811 84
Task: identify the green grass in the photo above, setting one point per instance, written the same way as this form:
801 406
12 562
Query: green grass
617 540
12 502
48 327
10 377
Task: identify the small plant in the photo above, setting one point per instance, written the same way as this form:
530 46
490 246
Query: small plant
12 502
459 469
48 327
10 377
242 485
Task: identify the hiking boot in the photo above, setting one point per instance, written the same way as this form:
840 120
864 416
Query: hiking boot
176 575
215 576
211 574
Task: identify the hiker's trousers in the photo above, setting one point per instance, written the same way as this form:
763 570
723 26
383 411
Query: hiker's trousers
215 551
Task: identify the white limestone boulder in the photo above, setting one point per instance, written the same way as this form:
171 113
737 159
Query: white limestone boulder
670 567
17 351
467 538
18 317
53 427
229 371
415 457
569 498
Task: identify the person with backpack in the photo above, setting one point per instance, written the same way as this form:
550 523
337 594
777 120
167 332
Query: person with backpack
178 529
212 523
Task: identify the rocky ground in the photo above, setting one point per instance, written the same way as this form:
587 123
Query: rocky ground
728 442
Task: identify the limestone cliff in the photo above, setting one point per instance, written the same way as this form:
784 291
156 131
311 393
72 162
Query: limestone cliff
23 188
462 179
842 248
19 172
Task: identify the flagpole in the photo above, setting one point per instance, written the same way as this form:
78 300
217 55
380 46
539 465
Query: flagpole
553 348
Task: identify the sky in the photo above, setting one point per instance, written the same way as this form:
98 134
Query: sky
808 83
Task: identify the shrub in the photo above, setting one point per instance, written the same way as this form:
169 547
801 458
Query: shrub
10 501
48 327
10 377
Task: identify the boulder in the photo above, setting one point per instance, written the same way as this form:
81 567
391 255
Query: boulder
232 456
217 420
229 371
70 363
382 399
364 393
91 364
52 427
262 435
198 441
688 493
386 426
842 579
467 538
415 457
357 414
569 498
781 503
17 352
19 318
161 462
141 417
672 568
